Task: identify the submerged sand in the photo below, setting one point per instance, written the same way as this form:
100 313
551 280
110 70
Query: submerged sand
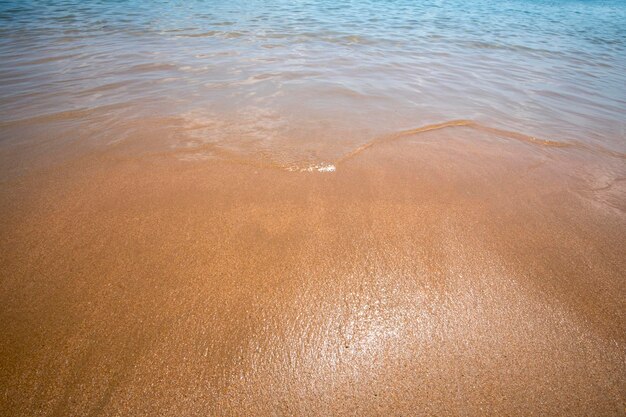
451 272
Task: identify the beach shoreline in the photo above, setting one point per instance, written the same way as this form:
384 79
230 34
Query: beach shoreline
453 271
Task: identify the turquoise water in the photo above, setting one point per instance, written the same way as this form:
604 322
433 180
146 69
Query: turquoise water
296 80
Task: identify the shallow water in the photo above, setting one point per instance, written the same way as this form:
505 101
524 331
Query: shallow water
444 234
302 83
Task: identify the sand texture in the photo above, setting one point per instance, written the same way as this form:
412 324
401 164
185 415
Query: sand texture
450 272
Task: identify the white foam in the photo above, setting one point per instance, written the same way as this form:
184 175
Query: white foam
323 167
327 168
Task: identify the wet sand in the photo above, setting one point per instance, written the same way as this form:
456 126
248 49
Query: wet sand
449 272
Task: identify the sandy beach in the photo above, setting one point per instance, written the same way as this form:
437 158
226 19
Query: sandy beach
448 272
312 208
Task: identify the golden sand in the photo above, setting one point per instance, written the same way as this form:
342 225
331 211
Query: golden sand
453 272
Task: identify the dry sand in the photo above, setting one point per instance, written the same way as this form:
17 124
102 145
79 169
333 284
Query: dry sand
453 272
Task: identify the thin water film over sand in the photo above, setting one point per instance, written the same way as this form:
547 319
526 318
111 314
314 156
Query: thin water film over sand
311 208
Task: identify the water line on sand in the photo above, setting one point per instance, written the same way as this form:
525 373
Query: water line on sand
332 166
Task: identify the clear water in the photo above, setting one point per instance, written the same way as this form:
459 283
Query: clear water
308 80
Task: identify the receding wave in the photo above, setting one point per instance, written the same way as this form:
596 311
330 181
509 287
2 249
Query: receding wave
487 129
331 166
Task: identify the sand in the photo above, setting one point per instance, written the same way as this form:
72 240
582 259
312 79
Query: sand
449 272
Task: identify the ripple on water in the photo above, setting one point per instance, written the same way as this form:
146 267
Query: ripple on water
337 75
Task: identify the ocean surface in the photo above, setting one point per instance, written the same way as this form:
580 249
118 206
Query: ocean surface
301 83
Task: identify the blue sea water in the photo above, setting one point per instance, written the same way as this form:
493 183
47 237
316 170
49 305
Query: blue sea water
306 79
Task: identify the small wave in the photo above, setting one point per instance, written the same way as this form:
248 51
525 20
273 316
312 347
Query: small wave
332 166
484 128
208 34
